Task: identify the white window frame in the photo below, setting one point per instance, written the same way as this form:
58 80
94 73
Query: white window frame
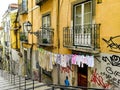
81 37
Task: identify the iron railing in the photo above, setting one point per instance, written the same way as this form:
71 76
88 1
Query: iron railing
82 36
24 36
63 87
45 36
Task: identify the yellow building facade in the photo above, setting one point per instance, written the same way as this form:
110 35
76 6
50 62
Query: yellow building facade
87 28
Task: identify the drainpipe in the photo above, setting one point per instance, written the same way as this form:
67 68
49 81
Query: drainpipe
16 31
31 50
58 44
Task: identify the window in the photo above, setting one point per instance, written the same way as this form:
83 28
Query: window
82 23
24 7
45 30
46 21
83 14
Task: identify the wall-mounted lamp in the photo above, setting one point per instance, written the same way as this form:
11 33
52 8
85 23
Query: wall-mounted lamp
28 26
99 1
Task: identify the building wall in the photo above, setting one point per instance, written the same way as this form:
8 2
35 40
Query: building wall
109 37
12 31
106 69
108 31
107 14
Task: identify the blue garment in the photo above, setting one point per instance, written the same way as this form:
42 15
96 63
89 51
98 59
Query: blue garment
67 82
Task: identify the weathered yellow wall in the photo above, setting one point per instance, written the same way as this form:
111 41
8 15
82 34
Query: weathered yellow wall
12 32
107 13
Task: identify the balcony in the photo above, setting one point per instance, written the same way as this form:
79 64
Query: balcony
82 38
24 36
45 37
40 2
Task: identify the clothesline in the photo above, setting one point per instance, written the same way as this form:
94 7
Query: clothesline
63 60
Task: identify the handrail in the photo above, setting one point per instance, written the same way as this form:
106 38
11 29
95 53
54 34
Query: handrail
73 87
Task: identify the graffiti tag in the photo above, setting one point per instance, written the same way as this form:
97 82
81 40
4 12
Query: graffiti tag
114 60
97 79
110 71
110 78
66 69
111 43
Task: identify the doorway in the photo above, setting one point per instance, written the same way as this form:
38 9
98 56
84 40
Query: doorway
82 75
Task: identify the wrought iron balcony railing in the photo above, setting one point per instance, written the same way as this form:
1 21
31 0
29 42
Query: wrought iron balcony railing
45 36
82 36
24 36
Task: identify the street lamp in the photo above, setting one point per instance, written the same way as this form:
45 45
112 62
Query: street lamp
28 26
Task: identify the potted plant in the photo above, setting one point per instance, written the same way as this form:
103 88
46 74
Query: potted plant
45 40
22 37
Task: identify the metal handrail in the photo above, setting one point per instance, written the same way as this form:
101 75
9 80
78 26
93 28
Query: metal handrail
73 87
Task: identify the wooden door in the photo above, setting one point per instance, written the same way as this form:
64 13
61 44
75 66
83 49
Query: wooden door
82 76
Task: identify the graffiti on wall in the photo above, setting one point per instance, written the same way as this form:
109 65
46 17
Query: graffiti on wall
114 60
111 75
111 72
98 79
113 43
107 75
66 69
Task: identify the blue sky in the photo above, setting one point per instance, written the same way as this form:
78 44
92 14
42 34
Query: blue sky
4 5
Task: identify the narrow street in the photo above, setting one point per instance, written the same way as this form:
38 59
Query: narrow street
6 83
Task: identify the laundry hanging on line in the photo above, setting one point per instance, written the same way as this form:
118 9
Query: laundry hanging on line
48 59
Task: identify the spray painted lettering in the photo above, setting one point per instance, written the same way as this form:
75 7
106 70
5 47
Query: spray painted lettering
66 69
97 79
114 80
114 60
112 43
110 71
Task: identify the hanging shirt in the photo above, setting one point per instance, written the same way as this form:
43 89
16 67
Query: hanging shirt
58 59
63 61
74 59
68 60
92 61
49 65
79 60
